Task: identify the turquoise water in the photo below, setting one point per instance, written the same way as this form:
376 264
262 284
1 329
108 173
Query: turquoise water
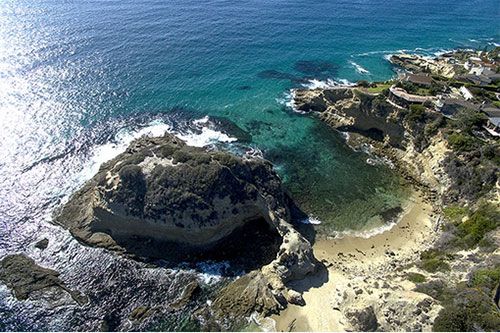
70 69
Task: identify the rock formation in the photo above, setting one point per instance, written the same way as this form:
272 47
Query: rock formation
383 126
164 199
351 110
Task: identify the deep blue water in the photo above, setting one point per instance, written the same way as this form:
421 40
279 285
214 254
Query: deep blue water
77 75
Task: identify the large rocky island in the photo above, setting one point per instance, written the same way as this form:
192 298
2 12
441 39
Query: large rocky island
164 199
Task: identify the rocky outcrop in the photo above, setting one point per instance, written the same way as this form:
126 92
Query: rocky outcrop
380 127
245 296
417 64
352 110
164 199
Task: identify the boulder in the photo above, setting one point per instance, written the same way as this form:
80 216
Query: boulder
363 320
246 295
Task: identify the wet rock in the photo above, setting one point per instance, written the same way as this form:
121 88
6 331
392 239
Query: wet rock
294 297
140 313
348 109
363 320
42 244
21 274
185 296
247 294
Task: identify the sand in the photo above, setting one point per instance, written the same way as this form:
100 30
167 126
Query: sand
359 259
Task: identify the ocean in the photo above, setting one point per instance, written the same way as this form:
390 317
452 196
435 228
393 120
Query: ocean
80 79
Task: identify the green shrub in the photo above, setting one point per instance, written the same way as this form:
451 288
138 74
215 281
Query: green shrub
434 260
461 142
485 219
416 277
486 278
467 120
363 83
408 86
181 156
455 213
470 310
435 265
416 114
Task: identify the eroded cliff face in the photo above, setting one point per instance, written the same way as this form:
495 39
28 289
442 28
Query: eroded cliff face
164 199
348 109
383 126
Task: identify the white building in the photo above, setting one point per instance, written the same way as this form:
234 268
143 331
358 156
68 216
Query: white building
466 93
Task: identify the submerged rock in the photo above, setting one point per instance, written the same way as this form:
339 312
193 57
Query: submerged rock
164 199
21 274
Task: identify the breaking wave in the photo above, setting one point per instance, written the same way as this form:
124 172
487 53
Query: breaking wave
359 68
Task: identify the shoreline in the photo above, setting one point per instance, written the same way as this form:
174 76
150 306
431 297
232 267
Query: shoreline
354 261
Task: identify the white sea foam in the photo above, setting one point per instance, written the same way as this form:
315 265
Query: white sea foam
311 220
288 101
328 83
204 137
366 233
359 68
200 121
318 84
210 273
120 143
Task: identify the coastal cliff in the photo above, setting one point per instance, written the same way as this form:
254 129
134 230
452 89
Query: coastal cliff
444 141
376 124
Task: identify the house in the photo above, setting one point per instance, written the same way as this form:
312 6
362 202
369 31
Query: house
450 106
493 114
418 79
479 80
494 77
476 71
466 93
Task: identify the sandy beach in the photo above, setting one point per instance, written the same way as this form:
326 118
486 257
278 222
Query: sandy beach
361 272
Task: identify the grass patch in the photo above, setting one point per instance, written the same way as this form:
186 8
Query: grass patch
423 92
416 277
378 88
